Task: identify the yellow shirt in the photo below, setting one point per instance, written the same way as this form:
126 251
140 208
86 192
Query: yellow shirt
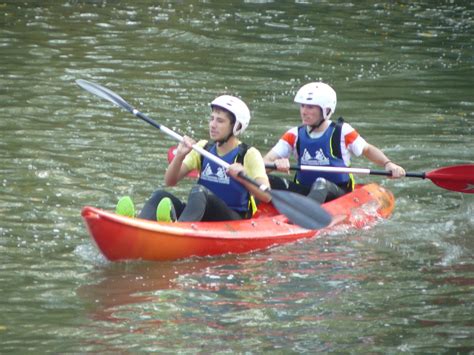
253 162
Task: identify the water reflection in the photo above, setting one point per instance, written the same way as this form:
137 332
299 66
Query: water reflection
237 281
126 284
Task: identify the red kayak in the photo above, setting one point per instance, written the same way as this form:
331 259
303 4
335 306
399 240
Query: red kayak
124 238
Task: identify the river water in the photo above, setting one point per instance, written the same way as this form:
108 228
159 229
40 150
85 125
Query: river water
404 74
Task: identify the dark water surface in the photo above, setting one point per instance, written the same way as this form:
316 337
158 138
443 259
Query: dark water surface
404 73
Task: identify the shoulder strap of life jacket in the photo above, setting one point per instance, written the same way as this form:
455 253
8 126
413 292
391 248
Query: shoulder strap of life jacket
336 139
243 147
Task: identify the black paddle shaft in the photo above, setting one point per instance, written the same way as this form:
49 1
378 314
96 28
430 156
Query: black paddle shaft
351 170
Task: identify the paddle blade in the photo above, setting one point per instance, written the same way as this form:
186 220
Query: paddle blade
300 210
104 93
456 178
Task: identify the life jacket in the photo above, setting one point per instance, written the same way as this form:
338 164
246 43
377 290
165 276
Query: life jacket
214 177
323 151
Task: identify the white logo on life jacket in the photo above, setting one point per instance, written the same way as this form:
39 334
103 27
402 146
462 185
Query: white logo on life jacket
319 158
220 176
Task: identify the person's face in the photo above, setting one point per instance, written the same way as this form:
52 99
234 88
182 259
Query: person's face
310 114
219 124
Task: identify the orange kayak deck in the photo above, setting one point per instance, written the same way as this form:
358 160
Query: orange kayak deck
124 238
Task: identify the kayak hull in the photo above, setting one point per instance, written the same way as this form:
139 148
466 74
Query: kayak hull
124 238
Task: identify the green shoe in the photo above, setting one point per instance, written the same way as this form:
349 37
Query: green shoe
125 207
165 211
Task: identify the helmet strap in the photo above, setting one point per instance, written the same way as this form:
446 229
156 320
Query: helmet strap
316 126
226 139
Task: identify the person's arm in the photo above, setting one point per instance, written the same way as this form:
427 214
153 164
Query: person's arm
280 153
281 164
358 146
176 169
376 156
254 168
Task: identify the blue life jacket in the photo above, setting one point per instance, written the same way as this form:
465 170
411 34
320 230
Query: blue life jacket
322 151
214 177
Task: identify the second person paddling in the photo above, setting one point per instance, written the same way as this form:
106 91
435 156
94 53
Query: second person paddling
320 142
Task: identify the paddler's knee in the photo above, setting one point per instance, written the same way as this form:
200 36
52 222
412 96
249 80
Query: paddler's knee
200 190
198 196
319 184
319 190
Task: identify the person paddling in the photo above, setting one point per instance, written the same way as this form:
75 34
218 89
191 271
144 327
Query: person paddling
219 194
321 142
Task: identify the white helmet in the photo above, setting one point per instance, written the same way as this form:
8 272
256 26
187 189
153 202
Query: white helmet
318 94
238 108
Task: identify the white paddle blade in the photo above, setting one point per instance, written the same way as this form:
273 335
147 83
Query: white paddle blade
104 93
